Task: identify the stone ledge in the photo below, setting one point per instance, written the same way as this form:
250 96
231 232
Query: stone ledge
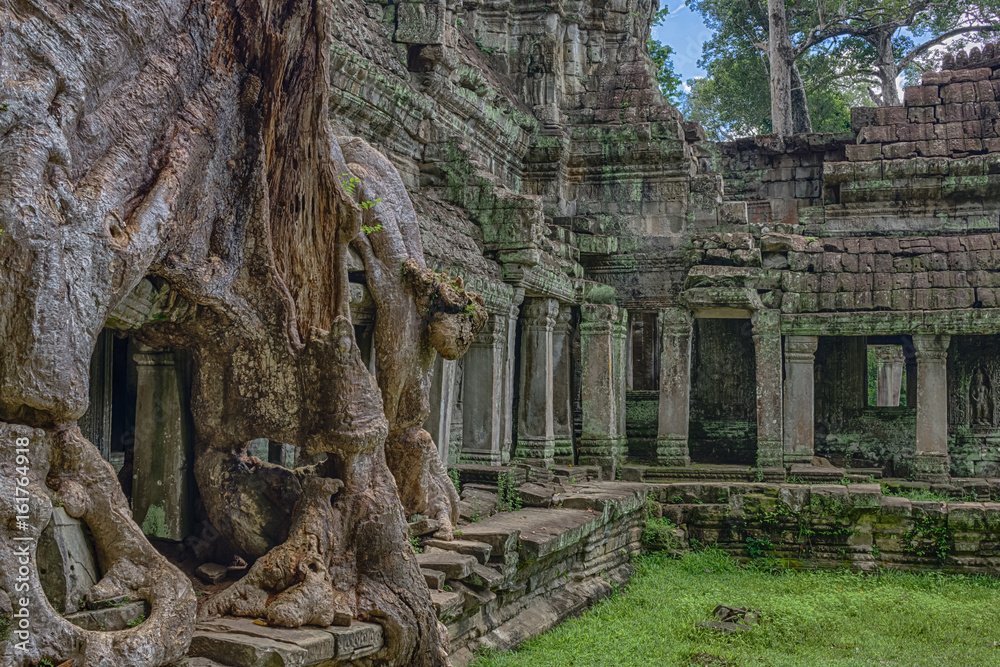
242 643
111 618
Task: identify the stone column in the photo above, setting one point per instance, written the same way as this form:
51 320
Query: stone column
482 394
510 358
601 439
621 376
767 346
535 434
931 463
675 388
562 394
161 478
889 375
800 387
442 398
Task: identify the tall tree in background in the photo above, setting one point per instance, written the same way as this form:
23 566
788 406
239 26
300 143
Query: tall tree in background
781 56
862 45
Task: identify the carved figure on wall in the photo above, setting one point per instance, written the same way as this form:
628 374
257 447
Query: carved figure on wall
980 399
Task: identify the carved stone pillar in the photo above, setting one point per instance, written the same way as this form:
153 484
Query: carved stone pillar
931 463
562 394
442 399
621 375
675 388
889 375
161 478
800 387
510 357
535 434
482 394
767 345
601 440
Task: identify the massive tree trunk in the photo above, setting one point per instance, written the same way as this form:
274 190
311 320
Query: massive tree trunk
190 141
781 57
887 69
801 121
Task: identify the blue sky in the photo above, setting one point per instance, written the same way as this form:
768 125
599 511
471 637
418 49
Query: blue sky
685 32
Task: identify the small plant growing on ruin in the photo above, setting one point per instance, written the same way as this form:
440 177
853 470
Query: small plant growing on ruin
927 539
415 544
756 548
510 497
658 535
351 184
455 479
136 622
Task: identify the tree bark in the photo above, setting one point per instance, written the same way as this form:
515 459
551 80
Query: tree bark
190 142
887 68
781 58
801 121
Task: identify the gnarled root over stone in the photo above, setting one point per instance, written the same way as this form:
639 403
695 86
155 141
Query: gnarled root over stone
65 467
454 316
298 582
320 576
425 488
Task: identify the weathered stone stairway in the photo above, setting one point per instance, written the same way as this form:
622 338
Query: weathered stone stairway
504 578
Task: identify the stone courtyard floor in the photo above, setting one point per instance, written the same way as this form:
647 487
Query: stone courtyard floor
828 618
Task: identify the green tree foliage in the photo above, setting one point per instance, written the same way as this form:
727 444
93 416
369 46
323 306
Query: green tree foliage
847 53
670 82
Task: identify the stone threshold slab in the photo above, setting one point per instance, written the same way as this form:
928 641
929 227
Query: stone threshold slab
239 642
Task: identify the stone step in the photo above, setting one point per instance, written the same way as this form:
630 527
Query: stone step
472 473
726 473
481 550
577 473
489 576
434 578
454 565
447 604
242 643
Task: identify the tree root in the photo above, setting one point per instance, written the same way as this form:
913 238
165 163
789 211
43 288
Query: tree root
86 485
425 488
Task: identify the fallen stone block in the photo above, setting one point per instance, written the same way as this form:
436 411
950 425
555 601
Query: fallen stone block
211 573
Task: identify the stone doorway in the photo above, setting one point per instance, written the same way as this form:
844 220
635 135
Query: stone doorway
723 424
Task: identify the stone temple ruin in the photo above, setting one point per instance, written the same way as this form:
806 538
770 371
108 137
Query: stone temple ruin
663 310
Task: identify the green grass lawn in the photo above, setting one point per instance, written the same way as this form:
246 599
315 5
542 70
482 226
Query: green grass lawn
808 618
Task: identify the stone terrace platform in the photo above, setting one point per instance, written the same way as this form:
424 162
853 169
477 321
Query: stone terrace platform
831 525
506 578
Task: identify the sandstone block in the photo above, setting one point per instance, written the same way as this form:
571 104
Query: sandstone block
863 152
921 96
211 573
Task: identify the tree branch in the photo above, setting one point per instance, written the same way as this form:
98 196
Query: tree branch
909 57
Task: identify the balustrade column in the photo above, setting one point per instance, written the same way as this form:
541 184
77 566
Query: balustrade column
675 388
800 387
931 463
